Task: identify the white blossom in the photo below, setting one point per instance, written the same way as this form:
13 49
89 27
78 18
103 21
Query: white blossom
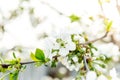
108 49
91 75
64 44
79 38
113 74
75 59
102 77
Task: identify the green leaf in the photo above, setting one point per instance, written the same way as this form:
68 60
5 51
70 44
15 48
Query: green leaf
39 54
14 75
32 56
14 55
47 59
54 63
74 18
108 24
37 64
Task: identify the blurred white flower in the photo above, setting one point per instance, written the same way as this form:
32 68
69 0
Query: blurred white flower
91 75
113 74
6 8
47 46
74 28
21 30
108 49
65 62
102 77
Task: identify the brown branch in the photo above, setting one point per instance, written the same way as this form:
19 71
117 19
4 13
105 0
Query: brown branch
50 6
92 41
22 63
115 41
118 7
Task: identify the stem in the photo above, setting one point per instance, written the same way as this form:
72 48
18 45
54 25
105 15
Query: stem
92 41
85 63
22 63
30 62
60 13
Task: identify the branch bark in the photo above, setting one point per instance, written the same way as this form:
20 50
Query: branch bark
85 63
92 41
50 6
22 63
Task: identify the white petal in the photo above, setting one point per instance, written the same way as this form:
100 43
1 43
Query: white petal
91 75
102 77
71 46
63 52
56 46
75 59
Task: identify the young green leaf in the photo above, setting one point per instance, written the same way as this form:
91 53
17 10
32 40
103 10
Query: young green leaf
32 56
74 18
14 55
39 54
109 26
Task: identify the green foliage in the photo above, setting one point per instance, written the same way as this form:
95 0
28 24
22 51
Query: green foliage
39 54
74 18
108 25
39 57
32 56
54 63
14 75
14 55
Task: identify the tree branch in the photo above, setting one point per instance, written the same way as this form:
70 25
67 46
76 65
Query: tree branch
30 62
92 41
22 63
60 13
85 63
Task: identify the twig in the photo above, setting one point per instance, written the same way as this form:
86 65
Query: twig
92 41
22 63
118 7
60 13
85 63
115 41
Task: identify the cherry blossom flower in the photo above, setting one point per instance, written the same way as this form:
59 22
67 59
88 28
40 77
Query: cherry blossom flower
64 44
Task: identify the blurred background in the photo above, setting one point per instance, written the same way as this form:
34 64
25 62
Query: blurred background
25 23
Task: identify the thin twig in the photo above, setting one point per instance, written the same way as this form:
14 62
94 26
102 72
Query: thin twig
22 63
50 6
118 7
85 63
115 41
92 41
